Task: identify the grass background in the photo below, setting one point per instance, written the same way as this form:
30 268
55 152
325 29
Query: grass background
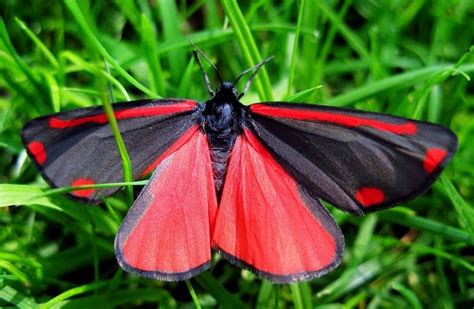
410 58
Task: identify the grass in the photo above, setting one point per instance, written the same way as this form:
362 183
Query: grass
414 63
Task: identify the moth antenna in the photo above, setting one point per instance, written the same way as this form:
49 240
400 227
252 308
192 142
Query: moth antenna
196 54
249 81
204 75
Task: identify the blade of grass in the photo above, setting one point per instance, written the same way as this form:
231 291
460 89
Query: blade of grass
130 10
168 12
183 89
74 292
29 73
264 293
54 92
328 40
465 212
45 50
397 81
422 250
294 54
296 296
83 65
89 35
407 218
301 96
12 296
27 195
193 294
122 148
306 294
409 295
215 288
248 46
363 239
351 37
16 272
149 44
124 298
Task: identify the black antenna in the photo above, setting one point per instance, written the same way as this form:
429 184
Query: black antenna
206 78
249 81
196 54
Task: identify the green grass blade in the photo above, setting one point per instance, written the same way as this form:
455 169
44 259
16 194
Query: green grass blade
29 73
215 288
401 216
193 294
294 54
74 292
296 296
154 65
248 46
45 50
409 295
12 296
82 21
55 92
186 80
465 212
397 81
351 37
264 294
168 12
301 96
125 158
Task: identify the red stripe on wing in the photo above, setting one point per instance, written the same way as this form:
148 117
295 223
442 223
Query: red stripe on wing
137 112
407 128
166 234
266 224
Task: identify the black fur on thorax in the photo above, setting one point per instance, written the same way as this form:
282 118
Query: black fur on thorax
222 120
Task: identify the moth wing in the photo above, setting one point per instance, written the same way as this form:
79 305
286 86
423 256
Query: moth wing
267 223
77 147
357 161
166 233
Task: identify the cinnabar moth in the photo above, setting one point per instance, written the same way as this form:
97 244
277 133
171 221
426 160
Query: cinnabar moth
245 181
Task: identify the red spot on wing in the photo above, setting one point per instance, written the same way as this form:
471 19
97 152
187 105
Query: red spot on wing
262 219
134 112
407 128
433 157
83 182
183 139
37 150
369 196
168 229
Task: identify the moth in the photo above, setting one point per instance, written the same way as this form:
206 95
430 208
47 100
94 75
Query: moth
245 181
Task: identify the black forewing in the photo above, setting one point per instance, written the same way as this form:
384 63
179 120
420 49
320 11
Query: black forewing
77 147
357 161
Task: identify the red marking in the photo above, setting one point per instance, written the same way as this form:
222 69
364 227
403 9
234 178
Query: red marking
433 157
38 151
369 196
133 112
262 219
83 182
172 233
407 128
180 142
